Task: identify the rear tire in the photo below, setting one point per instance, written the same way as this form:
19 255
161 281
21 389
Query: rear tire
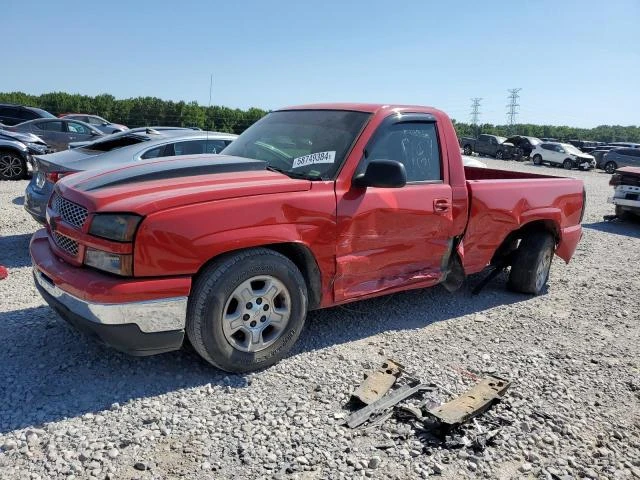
567 164
12 166
467 150
537 159
532 263
610 167
226 310
499 155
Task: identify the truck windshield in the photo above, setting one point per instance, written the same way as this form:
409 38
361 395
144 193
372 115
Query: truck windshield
301 143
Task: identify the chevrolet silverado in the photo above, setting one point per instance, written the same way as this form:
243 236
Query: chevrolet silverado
311 207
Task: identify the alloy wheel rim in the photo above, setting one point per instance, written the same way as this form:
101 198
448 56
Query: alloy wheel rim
10 166
256 313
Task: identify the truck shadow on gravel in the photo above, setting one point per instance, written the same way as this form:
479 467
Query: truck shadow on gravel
628 228
14 250
50 372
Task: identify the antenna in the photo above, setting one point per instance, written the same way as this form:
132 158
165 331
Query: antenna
208 110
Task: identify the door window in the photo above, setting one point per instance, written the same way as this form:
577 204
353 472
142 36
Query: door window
191 147
95 121
153 153
75 127
414 144
50 126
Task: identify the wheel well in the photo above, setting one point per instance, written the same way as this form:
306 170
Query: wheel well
8 148
511 242
301 256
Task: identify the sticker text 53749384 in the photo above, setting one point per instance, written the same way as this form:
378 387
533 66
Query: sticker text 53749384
313 158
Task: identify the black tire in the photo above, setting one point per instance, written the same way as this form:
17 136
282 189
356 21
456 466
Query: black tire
12 166
623 214
610 167
537 159
499 155
467 150
567 164
215 286
532 262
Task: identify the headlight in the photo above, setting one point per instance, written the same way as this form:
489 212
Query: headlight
109 262
120 227
36 147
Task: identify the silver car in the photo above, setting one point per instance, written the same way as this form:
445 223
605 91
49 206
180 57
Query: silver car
102 124
620 157
58 132
111 151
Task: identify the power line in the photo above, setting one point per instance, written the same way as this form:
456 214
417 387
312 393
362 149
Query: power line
512 107
475 112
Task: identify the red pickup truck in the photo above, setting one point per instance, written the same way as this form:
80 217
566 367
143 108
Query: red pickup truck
311 207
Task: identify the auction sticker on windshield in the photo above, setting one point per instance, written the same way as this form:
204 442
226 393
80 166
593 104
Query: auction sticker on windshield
313 158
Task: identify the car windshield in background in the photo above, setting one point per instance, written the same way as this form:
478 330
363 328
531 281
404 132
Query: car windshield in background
501 139
571 149
114 142
534 141
43 113
301 143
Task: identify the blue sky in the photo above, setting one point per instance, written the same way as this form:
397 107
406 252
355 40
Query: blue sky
577 62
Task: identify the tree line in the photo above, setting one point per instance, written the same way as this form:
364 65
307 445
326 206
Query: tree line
148 111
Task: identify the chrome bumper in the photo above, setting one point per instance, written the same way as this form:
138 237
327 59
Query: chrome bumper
152 316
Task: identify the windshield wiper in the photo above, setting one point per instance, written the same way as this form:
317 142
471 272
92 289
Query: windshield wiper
290 174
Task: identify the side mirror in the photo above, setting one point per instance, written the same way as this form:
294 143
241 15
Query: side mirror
105 124
94 133
382 174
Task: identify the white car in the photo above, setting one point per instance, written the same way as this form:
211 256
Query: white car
562 154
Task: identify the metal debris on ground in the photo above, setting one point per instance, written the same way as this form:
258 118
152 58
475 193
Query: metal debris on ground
377 383
473 402
435 424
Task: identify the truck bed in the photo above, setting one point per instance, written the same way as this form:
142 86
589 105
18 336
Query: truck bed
502 201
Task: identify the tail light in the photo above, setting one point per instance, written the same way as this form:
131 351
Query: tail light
53 177
616 179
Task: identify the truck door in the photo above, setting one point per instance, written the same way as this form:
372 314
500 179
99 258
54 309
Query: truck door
393 237
483 144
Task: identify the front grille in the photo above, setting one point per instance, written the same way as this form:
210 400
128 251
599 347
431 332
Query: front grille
65 243
72 213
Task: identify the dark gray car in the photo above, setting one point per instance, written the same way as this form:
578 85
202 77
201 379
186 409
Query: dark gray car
112 151
58 132
621 157
102 124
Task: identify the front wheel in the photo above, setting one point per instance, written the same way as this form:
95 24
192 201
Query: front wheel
247 310
532 263
610 167
567 164
467 150
12 166
499 155
537 159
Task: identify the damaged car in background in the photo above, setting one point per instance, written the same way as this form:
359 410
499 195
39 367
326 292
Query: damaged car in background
16 150
311 207
626 196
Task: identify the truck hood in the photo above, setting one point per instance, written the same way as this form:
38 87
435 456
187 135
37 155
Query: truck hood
144 188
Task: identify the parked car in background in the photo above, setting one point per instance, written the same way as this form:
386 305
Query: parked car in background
125 136
16 149
58 132
491 145
112 151
11 114
599 153
100 123
626 195
620 157
525 144
549 140
625 144
586 146
562 154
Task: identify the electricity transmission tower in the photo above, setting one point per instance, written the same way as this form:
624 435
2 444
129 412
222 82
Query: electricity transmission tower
512 107
475 113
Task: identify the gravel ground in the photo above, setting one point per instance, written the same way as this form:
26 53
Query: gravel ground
70 408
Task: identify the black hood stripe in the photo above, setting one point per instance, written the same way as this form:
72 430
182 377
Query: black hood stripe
175 168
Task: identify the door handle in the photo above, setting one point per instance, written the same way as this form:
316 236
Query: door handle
441 205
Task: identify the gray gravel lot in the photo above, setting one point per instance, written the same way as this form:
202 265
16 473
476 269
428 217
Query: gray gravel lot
70 408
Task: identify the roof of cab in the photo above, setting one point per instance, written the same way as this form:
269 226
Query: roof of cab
358 107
